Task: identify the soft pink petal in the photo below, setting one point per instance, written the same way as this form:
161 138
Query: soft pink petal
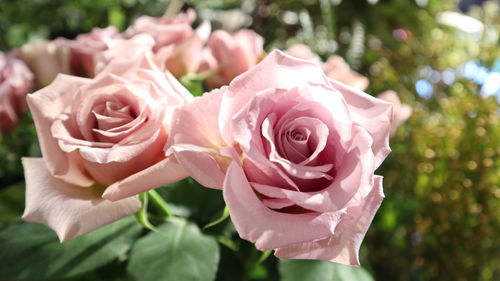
69 210
162 173
196 142
373 114
277 203
269 229
107 166
203 164
196 122
343 246
46 105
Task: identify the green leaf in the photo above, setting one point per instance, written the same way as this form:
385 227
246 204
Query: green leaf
192 85
178 252
313 270
189 199
347 273
32 251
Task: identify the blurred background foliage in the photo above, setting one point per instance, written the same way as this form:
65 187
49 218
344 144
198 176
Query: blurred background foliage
441 216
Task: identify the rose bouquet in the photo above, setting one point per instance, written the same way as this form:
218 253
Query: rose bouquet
291 142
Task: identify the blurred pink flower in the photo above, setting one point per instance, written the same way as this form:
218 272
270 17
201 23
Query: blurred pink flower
86 47
294 153
336 68
16 80
46 59
102 142
120 48
185 56
234 53
302 51
166 30
401 112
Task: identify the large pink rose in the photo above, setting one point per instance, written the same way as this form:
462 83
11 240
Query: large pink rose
102 142
234 53
16 80
295 154
166 30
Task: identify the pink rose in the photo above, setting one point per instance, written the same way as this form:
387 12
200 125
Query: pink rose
16 80
185 56
234 53
86 47
102 141
401 111
165 30
120 48
46 60
336 68
302 51
295 154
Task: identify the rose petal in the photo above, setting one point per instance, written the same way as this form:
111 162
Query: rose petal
343 246
107 166
371 113
277 203
196 122
269 229
70 210
205 165
46 105
162 173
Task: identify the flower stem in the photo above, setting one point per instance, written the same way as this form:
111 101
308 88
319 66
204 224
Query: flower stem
142 214
160 203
